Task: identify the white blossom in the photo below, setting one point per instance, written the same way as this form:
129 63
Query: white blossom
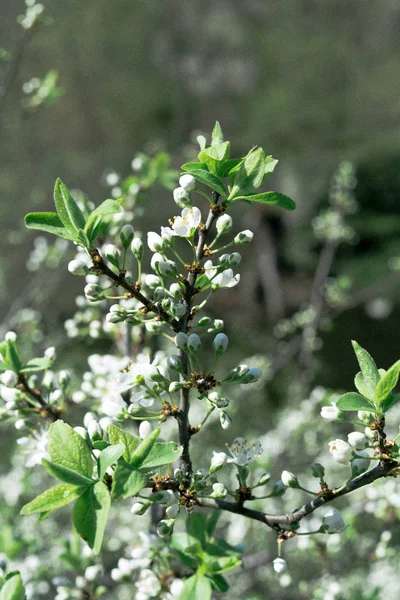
9 379
187 182
331 413
187 223
35 447
244 453
280 565
357 440
145 428
155 242
226 279
341 451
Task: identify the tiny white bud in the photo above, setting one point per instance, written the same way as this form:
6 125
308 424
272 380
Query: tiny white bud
224 224
94 430
92 291
225 420
244 237
9 379
165 527
331 413
357 440
187 182
218 461
50 353
139 508
137 248
181 340
64 378
92 572
333 521
173 511
194 342
220 343
82 432
252 375
179 309
126 235
181 197
155 242
280 565
219 491
289 479
145 429
234 259
11 336
89 416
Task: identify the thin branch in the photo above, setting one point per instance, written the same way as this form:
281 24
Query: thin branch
383 469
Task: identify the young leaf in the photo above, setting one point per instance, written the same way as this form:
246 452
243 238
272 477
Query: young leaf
161 454
10 352
367 366
217 136
67 209
219 583
67 448
106 208
108 457
65 474
194 165
390 401
53 498
387 383
144 448
196 527
130 442
127 481
49 222
13 589
273 198
362 387
212 181
354 401
90 515
36 364
196 587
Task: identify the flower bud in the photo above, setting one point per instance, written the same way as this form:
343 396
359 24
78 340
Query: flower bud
19 424
204 322
9 379
126 236
264 479
234 259
95 431
179 309
145 429
137 248
92 572
224 224
279 488
174 363
165 527
175 386
280 565
289 479
181 340
187 182
220 343
93 292
181 197
89 416
167 497
333 522
139 508
50 353
218 461
331 413
244 237
357 440
194 342
225 420
11 336
173 511
113 254
252 375
219 491
318 470
64 379
76 267
155 242
340 451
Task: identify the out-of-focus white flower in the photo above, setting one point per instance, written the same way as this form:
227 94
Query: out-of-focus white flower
50 353
243 453
155 242
92 572
176 588
289 479
187 223
76 267
341 451
333 521
9 379
357 440
145 429
35 447
280 565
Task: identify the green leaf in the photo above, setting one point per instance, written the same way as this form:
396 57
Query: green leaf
362 387
214 156
273 198
10 352
65 474
127 481
212 521
368 367
212 181
219 583
217 136
186 544
163 453
196 587
67 448
106 208
390 401
13 589
144 448
108 457
387 383
249 175
53 498
130 442
222 564
36 364
67 209
49 222
90 515
227 166
194 165
354 401
196 527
